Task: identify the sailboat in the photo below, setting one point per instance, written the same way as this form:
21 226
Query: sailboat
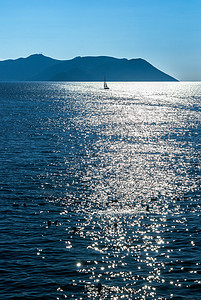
105 84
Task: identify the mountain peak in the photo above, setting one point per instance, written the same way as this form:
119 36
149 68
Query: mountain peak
38 56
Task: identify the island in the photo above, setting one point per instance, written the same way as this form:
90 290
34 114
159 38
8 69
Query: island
38 67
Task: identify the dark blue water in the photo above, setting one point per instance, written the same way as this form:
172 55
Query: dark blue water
117 175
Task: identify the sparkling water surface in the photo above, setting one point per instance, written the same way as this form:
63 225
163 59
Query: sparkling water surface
117 175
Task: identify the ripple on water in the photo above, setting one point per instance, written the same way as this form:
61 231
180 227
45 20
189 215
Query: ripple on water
111 183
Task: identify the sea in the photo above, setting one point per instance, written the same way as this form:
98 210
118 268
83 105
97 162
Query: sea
100 190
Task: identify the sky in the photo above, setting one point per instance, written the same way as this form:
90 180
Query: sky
166 33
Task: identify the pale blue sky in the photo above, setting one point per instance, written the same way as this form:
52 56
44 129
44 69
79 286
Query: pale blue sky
167 33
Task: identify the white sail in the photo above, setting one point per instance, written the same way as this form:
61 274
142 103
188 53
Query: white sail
105 84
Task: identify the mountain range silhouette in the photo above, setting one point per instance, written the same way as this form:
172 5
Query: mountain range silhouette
38 67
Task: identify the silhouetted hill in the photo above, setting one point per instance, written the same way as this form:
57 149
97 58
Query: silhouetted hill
38 67
24 68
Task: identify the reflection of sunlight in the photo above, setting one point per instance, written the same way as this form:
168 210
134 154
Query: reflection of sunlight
159 241
78 264
126 171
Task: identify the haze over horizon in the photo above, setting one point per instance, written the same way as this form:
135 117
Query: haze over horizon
167 34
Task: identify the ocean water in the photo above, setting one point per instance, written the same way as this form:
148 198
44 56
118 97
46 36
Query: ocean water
117 175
